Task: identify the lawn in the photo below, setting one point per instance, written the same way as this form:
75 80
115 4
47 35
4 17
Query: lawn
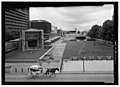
99 49
74 48
32 55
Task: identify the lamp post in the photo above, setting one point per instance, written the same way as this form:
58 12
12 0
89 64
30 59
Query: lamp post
83 61
83 65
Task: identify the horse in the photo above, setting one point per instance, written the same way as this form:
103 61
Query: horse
52 71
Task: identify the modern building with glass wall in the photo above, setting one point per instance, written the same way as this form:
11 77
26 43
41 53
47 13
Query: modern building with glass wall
15 20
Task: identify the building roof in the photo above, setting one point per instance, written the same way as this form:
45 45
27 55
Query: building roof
39 21
32 29
15 40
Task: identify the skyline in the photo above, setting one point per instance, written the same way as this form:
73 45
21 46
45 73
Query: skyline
69 18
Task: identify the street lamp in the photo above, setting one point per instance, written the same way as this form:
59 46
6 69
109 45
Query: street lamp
83 61
83 64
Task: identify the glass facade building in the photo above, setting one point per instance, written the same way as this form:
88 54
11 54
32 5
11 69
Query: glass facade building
16 20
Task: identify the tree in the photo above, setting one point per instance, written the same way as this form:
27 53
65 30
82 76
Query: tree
94 32
59 31
107 30
10 35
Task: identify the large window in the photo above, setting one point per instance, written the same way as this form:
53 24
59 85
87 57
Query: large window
32 43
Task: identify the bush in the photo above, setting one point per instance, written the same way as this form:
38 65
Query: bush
92 39
73 40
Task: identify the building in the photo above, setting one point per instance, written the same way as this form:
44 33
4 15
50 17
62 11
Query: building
72 32
41 24
84 33
54 29
32 39
46 27
16 19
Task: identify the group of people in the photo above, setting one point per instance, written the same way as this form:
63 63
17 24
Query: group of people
37 69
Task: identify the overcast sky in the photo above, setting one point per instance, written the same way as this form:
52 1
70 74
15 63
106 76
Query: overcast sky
69 18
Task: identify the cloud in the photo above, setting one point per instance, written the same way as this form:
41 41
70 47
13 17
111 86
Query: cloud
80 17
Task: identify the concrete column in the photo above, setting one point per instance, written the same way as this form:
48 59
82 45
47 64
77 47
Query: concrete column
42 38
23 40
38 44
26 44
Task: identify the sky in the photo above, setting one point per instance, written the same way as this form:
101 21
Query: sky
69 18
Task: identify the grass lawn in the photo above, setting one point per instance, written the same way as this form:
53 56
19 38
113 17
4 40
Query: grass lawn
25 55
99 49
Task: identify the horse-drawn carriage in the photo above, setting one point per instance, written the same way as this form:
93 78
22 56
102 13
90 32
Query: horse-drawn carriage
36 70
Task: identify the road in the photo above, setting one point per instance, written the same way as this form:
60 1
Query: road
62 77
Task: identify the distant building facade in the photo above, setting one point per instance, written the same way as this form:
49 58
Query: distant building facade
72 32
41 24
54 29
84 33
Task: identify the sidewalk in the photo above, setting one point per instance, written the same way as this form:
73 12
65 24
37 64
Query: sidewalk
57 53
89 67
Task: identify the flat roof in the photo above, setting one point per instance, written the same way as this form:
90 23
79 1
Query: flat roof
15 40
32 29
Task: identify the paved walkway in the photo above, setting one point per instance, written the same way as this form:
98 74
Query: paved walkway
57 53
89 66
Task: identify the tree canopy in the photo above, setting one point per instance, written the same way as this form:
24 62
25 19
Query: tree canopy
105 32
94 32
10 35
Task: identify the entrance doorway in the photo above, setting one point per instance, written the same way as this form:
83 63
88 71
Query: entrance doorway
32 43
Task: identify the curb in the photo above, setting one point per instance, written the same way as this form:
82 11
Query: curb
46 53
87 72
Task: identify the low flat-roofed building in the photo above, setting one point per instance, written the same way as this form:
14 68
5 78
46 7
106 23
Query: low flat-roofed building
32 39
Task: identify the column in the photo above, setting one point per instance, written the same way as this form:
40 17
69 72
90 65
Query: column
26 45
42 39
38 44
23 40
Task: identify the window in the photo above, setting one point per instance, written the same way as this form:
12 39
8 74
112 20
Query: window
15 69
22 70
